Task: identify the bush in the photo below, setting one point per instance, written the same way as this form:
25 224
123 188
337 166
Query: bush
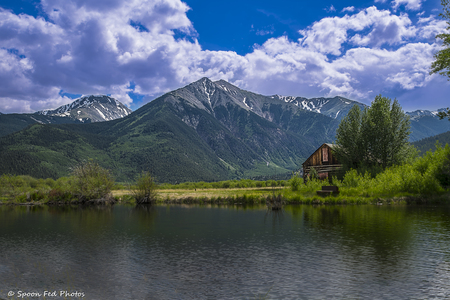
313 174
145 189
295 182
90 181
57 195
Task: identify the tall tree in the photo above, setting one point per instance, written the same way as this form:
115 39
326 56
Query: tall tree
442 58
441 64
349 139
378 135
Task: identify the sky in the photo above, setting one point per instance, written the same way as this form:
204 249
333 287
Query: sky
53 51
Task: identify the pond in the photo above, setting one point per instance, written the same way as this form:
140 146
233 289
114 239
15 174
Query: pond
227 252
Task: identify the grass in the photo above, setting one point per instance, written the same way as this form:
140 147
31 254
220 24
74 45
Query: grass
426 180
260 195
233 195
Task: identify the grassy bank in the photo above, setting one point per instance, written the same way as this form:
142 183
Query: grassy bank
308 195
425 180
354 189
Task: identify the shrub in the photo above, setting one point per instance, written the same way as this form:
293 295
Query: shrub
57 195
145 189
313 174
295 182
90 181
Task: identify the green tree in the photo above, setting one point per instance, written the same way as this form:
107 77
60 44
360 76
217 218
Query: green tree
378 135
349 139
444 114
441 64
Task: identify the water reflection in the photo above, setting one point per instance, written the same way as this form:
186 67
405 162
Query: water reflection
222 252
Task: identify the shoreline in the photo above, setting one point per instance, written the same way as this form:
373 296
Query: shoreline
174 197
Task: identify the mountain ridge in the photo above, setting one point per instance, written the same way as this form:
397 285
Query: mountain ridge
204 131
96 108
85 109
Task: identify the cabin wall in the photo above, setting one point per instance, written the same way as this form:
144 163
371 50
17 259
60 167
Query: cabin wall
323 161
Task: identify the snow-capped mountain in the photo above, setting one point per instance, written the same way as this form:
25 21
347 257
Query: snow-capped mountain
425 123
93 108
421 113
335 108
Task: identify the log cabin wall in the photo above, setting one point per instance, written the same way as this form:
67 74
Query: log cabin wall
323 161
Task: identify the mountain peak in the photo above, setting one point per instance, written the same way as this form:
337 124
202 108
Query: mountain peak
93 108
414 115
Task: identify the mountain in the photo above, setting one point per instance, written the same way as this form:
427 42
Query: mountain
83 110
336 108
10 123
204 131
429 143
417 114
90 108
425 123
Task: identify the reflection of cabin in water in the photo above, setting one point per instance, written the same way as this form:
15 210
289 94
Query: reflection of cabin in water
323 161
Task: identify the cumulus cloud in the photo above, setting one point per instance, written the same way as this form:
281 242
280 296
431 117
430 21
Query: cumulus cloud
329 34
88 47
409 4
94 47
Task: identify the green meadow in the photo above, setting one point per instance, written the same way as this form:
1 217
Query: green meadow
424 180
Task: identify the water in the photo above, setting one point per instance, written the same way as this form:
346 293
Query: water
204 252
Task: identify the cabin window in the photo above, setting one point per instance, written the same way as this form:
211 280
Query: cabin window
324 154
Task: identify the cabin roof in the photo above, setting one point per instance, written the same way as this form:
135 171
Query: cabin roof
332 146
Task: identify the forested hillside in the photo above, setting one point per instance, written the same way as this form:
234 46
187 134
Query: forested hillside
205 131
429 143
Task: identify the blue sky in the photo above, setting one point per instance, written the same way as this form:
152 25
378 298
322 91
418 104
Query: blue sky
52 51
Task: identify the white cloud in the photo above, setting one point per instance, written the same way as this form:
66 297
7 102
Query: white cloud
430 27
329 34
409 4
330 9
349 9
93 47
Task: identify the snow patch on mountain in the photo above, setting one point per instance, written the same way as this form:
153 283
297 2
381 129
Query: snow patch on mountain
417 114
92 108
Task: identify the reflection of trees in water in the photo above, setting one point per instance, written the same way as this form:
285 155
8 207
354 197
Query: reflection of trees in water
277 216
18 209
382 233
146 213
88 208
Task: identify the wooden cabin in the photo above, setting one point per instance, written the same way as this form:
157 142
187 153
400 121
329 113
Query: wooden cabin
323 161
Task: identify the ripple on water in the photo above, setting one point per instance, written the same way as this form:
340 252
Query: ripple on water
219 253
